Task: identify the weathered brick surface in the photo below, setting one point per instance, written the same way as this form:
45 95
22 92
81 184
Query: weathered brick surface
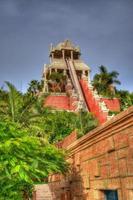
58 102
43 192
100 160
121 140
61 102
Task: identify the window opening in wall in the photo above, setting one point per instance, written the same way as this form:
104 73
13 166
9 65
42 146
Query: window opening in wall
111 195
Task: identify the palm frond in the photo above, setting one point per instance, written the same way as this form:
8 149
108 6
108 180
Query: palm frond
103 69
14 98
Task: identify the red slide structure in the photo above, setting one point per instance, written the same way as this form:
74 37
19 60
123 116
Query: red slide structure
86 95
92 103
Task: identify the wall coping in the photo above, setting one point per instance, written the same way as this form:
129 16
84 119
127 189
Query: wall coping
114 125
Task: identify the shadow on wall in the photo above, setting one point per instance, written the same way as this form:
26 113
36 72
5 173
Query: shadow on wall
70 187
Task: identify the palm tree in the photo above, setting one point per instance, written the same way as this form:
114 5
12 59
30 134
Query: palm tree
35 87
104 81
18 107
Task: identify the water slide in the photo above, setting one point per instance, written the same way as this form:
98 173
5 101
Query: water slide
75 81
85 95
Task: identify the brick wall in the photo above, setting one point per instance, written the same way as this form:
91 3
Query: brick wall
61 102
58 102
101 160
42 192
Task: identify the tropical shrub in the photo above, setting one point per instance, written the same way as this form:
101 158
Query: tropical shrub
126 99
104 82
24 160
59 124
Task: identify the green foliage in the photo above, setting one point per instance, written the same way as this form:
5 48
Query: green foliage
20 108
56 82
126 99
113 113
59 124
3 94
58 77
35 87
14 101
3 100
85 123
24 160
104 82
25 129
43 122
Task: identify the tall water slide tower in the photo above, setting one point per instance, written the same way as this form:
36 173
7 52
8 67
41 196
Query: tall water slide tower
67 80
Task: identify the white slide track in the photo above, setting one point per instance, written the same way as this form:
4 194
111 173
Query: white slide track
75 81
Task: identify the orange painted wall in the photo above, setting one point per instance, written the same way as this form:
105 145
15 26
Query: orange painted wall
112 104
100 160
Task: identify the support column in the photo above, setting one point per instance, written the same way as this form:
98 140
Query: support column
64 72
45 87
63 54
89 80
52 57
83 75
71 55
50 71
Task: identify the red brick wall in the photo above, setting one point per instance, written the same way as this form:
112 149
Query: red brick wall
100 160
61 102
58 102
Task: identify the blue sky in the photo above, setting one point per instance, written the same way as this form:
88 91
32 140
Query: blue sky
102 28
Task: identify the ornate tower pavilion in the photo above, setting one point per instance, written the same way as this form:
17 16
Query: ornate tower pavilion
67 80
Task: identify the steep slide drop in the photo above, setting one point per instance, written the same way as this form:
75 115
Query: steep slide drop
85 95
76 84
93 104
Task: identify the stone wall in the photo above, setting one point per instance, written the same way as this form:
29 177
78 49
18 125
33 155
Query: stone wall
101 160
